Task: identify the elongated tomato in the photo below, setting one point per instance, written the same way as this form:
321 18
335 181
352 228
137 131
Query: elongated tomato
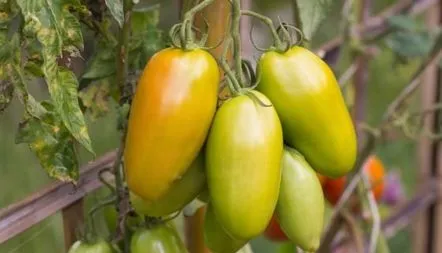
243 157
300 208
310 105
169 119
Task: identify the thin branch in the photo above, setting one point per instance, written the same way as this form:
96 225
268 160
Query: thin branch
356 235
376 226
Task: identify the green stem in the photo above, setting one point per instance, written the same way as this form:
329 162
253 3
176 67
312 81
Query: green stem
232 82
186 29
235 33
278 44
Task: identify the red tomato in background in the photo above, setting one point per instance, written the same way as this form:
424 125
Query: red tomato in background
274 232
333 188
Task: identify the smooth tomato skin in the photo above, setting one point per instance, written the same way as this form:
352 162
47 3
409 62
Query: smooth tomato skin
274 232
300 208
161 238
170 117
216 238
311 108
334 188
243 157
100 246
179 194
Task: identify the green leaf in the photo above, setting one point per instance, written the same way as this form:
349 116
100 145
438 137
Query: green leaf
63 87
402 22
6 92
116 9
58 31
409 44
311 14
103 63
146 37
96 98
51 141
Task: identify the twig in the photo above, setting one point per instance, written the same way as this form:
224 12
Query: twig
356 236
376 227
122 200
348 73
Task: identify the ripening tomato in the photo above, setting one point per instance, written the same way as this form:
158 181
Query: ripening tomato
274 232
243 158
322 179
204 195
170 116
180 193
334 188
99 246
311 108
216 238
300 208
161 238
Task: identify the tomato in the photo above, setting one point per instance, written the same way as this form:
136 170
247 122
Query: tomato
216 238
99 246
300 208
180 193
311 108
274 232
160 238
322 179
243 157
334 188
169 119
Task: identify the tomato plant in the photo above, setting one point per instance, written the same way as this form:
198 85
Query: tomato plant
172 108
243 155
374 168
303 89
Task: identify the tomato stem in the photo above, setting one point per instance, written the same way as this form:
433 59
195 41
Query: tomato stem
235 33
186 33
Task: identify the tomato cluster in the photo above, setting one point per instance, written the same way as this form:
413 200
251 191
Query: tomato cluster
254 159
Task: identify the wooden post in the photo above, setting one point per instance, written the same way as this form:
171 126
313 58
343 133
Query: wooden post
427 227
73 218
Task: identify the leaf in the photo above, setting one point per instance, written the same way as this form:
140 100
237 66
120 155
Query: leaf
116 9
409 44
63 89
58 31
146 37
6 93
402 22
311 14
51 141
96 98
103 63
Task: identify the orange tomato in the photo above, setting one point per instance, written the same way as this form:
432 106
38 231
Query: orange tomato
333 188
169 119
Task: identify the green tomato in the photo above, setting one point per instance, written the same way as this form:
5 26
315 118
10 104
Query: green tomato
179 194
243 158
160 238
99 246
216 238
300 207
314 117
111 218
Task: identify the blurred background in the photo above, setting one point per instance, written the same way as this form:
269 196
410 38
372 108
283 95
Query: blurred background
21 173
